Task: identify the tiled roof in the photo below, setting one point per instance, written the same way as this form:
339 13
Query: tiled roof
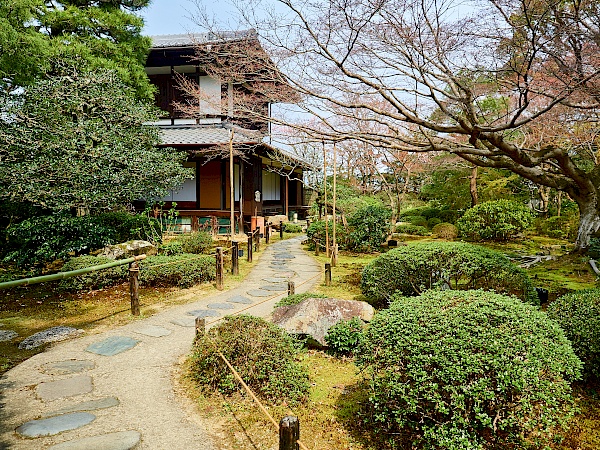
206 135
189 39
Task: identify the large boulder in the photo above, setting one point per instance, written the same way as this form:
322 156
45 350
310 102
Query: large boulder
314 317
129 249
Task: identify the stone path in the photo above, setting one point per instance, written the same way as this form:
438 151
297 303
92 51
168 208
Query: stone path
115 390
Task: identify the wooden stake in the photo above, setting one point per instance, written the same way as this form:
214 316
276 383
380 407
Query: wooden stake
235 258
200 323
325 200
327 274
249 246
219 268
231 184
333 243
291 288
134 287
289 433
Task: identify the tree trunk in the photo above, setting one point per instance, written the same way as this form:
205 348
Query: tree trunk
589 222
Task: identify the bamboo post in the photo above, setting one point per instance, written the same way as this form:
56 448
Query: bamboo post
325 200
219 271
289 433
249 246
334 243
281 229
134 287
327 274
291 288
200 323
257 239
235 258
231 185
334 255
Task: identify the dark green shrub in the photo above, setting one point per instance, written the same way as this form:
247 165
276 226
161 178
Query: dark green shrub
412 229
127 227
316 230
297 298
93 280
445 231
183 270
39 240
418 221
344 337
578 314
262 353
414 268
498 220
170 248
433 222
197 242
449 215
593 250
424 211
466 370
289 227
369 228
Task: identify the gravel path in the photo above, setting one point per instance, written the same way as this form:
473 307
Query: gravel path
115 390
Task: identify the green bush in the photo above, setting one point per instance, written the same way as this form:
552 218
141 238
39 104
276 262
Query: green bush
297 298
289 227
183 270
197 242
414 268
412 229
445 231
127 227
424 211
593 250
262 353
466 370
498 220
369 228
93 280
418 221
560 227
433 222
316 230
578 314
449 215
170 248
344 337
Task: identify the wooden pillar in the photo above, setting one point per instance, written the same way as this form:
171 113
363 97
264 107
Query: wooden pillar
219 268
287 200
134 288
289 433
235 258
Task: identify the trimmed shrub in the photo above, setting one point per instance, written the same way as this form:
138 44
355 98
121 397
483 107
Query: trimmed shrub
369 228
344 337
425 211
183 270
433 222
297 298
418 221
414 268
127 227
170 248
412 229
316 230
289 227
466 370
578 314
445 231
449 215
498 220
93 280
262 353
198 242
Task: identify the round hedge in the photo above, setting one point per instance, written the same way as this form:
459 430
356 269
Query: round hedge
414 268
497 220
578 314
262 353
445 230
466 370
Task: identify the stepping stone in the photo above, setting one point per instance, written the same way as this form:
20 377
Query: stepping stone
55 425
53 390
203 313
67 367
220 306
240 299
275 279
112 346
283 256
7 335
92 405
122 440
53 334
278 263
153 331
259 293
185 322
275 287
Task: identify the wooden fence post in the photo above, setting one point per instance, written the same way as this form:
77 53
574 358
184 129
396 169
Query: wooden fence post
257 239
134 287
327 274
200 326
317 245
281 229
289 433
219 271
267 232
334 256
235 258
249 246
307 224
291 288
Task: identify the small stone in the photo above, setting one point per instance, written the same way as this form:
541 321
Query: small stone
55 425
122 440
53 334
259 293
203 313
92 405
240 299
52 390
153 331
112 346
275 287
187 322
220 306
67 367
7 335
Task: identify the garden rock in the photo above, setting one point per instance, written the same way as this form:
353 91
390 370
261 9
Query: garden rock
314 316
128 249
53 334
7 335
